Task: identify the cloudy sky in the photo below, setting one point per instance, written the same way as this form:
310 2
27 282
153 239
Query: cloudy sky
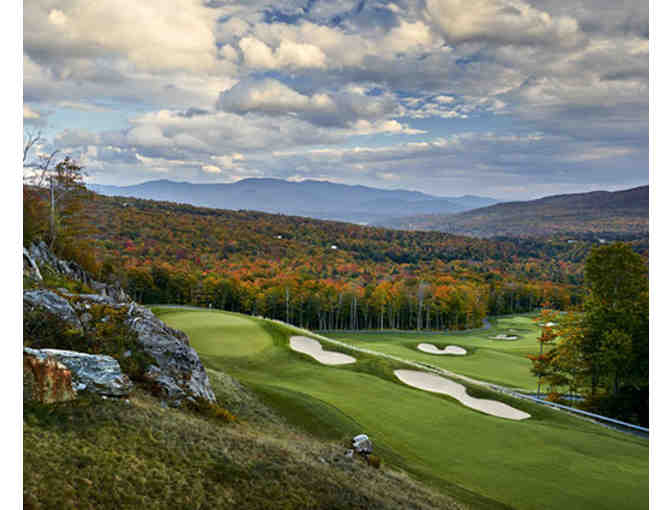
506 98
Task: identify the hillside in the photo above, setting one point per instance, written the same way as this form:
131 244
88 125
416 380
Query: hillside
126 425
314 199
619 214
324 274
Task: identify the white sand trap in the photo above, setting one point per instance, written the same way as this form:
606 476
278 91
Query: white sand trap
314 349
448 349
550 324
504 337
437 384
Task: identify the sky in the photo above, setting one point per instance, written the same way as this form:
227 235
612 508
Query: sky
501 98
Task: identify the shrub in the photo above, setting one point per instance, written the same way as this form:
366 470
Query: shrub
373 461
211 410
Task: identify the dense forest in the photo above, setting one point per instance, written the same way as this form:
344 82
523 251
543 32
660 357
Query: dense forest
318 274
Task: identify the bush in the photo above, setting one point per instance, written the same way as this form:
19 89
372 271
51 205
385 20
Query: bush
373 461
211 410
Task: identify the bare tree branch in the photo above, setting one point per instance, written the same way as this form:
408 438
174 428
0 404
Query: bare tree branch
29 140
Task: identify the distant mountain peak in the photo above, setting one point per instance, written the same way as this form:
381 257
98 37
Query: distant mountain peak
311 198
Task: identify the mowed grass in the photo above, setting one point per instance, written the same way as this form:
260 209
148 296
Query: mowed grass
237 336
501 362
550 461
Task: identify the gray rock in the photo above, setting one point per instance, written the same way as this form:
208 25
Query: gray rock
362 444
91 372
40 255
30 267
99 299
86 318
52 303
178 370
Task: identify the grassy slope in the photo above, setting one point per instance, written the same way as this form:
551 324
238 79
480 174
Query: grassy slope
106 454
499 361
549 461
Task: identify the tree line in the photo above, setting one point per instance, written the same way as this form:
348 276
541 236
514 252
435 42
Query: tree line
602 351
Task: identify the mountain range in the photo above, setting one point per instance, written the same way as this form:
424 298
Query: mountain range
315 199
600 212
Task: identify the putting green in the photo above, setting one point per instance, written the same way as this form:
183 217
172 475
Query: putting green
498 361
233 337
550 461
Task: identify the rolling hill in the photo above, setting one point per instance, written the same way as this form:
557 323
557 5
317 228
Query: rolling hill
314 199
613 214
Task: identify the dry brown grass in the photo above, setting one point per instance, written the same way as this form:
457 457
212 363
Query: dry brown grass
95 453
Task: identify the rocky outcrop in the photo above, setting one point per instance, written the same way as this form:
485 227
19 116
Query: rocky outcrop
30 268
45 379
39 255
52 303
95 373
178 370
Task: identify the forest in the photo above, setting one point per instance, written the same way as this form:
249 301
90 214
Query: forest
323 275
318 274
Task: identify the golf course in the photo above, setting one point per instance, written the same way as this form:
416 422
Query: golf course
488 357
548 460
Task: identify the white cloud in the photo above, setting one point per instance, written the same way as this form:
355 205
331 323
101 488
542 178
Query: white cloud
148 135
84 107
271 96
152 35
211 169
288 54
505 21
365 127
29 113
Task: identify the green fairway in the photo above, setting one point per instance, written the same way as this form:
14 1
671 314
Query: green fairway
550 461
498 361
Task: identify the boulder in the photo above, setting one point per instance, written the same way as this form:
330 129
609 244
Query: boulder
178 371
90 372
52 303
45 379
362 444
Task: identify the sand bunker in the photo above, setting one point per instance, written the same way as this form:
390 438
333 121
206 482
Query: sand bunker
314 349
437 384
504 337
550 324
448 349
